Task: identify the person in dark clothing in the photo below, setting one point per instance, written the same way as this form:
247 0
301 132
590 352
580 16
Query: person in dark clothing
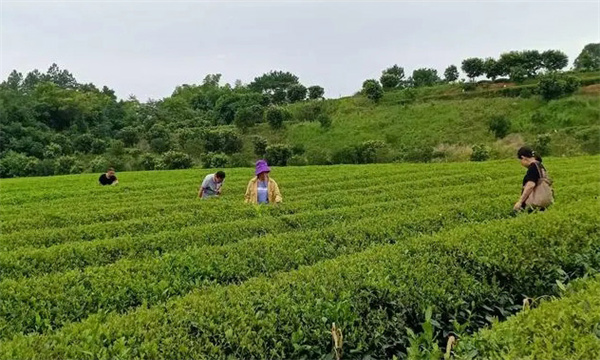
108 178
533 162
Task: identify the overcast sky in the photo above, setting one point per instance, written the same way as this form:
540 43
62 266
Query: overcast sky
146 48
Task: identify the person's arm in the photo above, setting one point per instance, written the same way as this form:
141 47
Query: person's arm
527 190
200 192
115 182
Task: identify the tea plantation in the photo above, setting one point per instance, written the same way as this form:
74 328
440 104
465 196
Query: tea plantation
398 256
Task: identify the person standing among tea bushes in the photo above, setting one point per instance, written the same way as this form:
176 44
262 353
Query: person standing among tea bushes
108 178
211 185
536 192
261 188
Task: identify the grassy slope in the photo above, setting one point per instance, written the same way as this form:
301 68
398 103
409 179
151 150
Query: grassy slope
450 122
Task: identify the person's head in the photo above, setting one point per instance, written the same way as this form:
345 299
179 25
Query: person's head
110 172
526 155
262 170
220 176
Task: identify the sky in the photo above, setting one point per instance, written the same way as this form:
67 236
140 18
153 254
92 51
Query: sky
147 48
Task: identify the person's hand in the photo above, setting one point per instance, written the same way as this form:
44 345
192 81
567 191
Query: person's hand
518 206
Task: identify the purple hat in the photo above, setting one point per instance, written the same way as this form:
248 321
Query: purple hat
261 167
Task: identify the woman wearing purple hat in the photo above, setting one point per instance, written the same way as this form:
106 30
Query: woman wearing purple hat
262 189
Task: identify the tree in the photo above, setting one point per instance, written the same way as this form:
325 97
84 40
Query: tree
274 116
517 74
589 58
531 62
246 117
273 80
278 154
395 70
14 80
425 77
499 125
372 90
260 145
315 92
389 81
176 160
554 60
296 92
473 67
554 86
83 143
491 68
451 73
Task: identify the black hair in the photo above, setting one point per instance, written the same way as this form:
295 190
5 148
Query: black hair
526 151
220 174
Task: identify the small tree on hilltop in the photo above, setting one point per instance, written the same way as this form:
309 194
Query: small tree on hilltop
425 77
554 86
372 90
389 81
316 92
473 67
589 58
451 73
491 68
554 60
296 93
274 116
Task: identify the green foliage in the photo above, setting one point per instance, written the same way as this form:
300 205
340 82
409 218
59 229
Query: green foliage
278 154
389 81
492 68
149 161
554 60
324 120
451 73
542 144
315 92
499 125
473 67
275 116
372 90
247 117
176 160
14 165
480 153
259 144
296 92
425 77
215 160
101 164
554 86
589 58
65 165
297 160
224 140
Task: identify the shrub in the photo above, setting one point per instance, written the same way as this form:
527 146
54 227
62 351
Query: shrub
44 167
64 164
297 160
372 90
310 111
298 149
247 117
469 86
260 145
324 120
176 160
239 160
149 161
499 125
278 154
52 151
480 153
15 164
419 154
318 157
554 86
296 92
389 81
542 144
215 160
315 92
227 141
274 116
538 118
99 164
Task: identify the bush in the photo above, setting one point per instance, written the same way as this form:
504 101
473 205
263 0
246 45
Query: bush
274 116
278 154
468 86
318 157
310 111
346 155
176 160
52 151
554 86
247 117
260 145
98 146
149 161
499 125
239 160
422 154
64 164
83 143
298 149
215 160
324 120
45 167
480 153
542 144
297 160
296 92
365 153
99 164
315 92
372 90
227 141
389 81
15 164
